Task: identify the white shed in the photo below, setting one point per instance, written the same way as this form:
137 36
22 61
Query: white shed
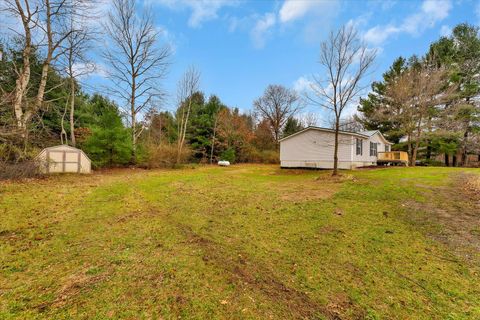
313 147
64 158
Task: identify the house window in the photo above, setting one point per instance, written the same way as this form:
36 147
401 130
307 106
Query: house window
373 149
359 145
387 148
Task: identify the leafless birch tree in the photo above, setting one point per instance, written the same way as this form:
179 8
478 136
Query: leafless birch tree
48 18
187 86
27 12
76 65
345 61
276 105
136 60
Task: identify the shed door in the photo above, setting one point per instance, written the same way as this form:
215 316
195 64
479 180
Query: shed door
63 161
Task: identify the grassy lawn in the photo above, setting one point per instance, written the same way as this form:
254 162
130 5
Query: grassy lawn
242 242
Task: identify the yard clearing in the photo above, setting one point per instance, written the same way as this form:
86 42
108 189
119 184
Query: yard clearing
247 241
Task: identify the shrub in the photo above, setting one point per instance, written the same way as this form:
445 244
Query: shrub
432 163
262 156
228 155
19 170
163 155
268 156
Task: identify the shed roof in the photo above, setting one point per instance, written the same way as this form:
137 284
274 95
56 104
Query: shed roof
64 146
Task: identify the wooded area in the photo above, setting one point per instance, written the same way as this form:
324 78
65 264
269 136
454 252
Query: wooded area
427 105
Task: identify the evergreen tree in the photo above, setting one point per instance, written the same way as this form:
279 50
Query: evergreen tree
109 143
292 125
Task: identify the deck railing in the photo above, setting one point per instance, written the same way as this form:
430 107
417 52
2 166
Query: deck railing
399 156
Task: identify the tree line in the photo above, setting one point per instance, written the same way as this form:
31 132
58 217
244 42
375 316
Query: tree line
43 102
430 105
427 105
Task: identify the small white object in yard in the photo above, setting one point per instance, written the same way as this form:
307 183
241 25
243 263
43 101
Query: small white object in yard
224 163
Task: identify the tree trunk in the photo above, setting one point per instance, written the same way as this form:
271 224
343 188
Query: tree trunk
429 150
213 139
410 151
414 155
335 151
133 119
72 112
184 133
134 137
23 80
42 85
463 160
63 133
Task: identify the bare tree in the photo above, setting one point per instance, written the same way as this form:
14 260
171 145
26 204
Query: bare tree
27 11
309 119
55 17
48 18
187 86
351 124
276 105
346 62
76 65
136 60
412 99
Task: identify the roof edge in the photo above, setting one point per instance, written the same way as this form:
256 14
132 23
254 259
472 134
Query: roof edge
325 130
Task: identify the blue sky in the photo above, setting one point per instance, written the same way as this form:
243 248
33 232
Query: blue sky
242 46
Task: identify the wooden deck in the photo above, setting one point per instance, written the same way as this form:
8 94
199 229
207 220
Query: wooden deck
393 157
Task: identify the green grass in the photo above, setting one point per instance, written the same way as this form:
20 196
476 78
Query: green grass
240 242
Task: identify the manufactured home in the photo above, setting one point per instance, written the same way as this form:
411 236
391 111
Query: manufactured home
313 147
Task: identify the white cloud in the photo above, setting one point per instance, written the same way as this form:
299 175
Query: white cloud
262 29
431 12
379 34
445 31
294 9
201 10
437 10
302 85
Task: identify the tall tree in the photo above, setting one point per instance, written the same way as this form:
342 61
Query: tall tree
28 13
187 86
460 55
136 60
369 106
76 63
346 61
276 105
412 100
292 125
49 19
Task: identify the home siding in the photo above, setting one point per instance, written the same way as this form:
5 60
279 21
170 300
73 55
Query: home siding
314 149
365 158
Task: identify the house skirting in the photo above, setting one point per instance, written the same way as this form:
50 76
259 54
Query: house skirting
310 164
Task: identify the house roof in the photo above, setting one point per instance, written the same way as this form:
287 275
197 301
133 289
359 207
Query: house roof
372 132
363 134
369 132
324 130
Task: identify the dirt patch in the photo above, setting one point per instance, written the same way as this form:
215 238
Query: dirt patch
73 286
254 276
455 211
312 190
340 304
